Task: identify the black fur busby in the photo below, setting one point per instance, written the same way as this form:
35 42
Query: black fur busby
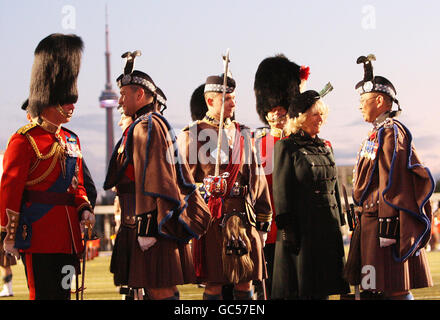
55 72
277 80
25 104
197 103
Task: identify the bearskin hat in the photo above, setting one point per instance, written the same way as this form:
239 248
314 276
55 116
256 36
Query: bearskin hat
55 72
25 104
276 80
197 103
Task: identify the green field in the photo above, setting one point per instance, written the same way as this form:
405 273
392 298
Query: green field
99 282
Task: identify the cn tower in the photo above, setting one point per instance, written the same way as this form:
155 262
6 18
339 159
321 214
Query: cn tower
108 99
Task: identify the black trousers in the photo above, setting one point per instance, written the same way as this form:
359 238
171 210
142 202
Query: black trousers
269 254
49 275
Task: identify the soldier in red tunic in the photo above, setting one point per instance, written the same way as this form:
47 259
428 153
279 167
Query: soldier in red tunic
277 80
43 201
392 188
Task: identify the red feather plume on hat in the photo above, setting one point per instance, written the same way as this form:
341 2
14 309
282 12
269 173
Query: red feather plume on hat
304 72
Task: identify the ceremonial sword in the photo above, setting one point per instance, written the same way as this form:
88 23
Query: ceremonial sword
216 184
220 126
87 236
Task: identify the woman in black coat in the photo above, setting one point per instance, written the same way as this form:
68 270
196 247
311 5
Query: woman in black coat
309 253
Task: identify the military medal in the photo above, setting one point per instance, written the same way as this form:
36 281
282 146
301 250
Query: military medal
73 150
370 146
375 146
363 150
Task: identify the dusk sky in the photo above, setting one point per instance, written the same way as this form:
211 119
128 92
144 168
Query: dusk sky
182 43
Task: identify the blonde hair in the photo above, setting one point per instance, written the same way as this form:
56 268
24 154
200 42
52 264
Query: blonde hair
295 124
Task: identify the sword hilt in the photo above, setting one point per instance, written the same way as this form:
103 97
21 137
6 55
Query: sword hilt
89 230
352 219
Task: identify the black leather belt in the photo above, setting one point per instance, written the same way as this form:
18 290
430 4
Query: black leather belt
47 197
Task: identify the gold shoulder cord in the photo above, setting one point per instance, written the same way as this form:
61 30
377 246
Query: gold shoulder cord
54 152
37 151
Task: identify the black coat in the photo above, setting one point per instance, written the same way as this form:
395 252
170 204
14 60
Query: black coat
309 254
89 185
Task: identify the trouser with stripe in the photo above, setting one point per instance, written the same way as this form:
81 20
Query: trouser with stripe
49 275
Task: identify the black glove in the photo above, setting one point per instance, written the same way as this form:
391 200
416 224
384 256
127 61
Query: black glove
291 239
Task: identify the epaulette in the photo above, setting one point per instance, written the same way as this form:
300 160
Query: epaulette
26 128
261 132
69 131
74 136
389 122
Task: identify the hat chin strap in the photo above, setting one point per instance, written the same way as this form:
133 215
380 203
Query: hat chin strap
47 124
395 113
63 113
276 120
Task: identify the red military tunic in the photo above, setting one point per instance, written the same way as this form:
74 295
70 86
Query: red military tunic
264 144
34 160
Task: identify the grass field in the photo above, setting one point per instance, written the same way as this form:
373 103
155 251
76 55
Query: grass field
99 282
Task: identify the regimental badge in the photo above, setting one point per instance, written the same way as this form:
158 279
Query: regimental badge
368 86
